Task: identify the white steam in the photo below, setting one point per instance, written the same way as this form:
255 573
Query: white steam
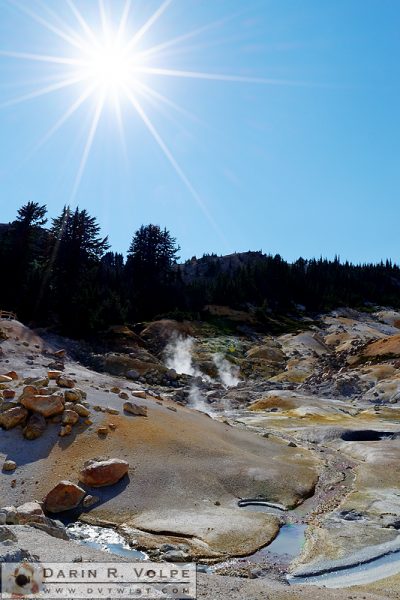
178 356
227 372
198 401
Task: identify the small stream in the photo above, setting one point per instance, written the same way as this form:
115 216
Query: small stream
103 538
288 544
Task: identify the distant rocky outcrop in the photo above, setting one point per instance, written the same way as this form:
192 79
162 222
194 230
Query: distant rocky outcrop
210 265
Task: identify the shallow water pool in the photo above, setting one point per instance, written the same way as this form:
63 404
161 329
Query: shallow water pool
290 540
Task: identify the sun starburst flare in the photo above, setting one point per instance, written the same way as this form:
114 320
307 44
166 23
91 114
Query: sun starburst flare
108 65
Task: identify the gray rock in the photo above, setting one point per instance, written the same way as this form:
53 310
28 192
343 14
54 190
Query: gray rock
9 465
167 547
30 511
7 534
15 555
35 427
132 374
11 514
52 527
175 556
172 374
135 409
202 568
89 500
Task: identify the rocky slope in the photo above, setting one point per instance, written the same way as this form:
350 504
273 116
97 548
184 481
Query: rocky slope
305 423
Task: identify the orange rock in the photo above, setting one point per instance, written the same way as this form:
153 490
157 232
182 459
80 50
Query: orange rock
54 374
12 374
12 417
139 393
98 473
30 390
45 391
65 430
64 496
44 405
8 394
65 382
70 417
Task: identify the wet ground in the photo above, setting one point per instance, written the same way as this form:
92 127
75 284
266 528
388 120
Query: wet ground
103 538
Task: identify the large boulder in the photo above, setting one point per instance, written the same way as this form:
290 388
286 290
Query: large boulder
44 405
35 426
64 496
12 417
98 473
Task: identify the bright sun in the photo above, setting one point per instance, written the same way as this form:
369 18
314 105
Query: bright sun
109 68
111 63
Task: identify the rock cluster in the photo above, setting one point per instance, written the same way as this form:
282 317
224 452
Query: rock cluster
41 403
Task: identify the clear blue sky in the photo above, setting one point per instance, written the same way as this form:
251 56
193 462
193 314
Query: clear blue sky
308 166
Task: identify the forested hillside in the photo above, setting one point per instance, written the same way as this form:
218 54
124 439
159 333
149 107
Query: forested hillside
64 274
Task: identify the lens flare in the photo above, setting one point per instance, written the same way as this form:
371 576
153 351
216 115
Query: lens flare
109 65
